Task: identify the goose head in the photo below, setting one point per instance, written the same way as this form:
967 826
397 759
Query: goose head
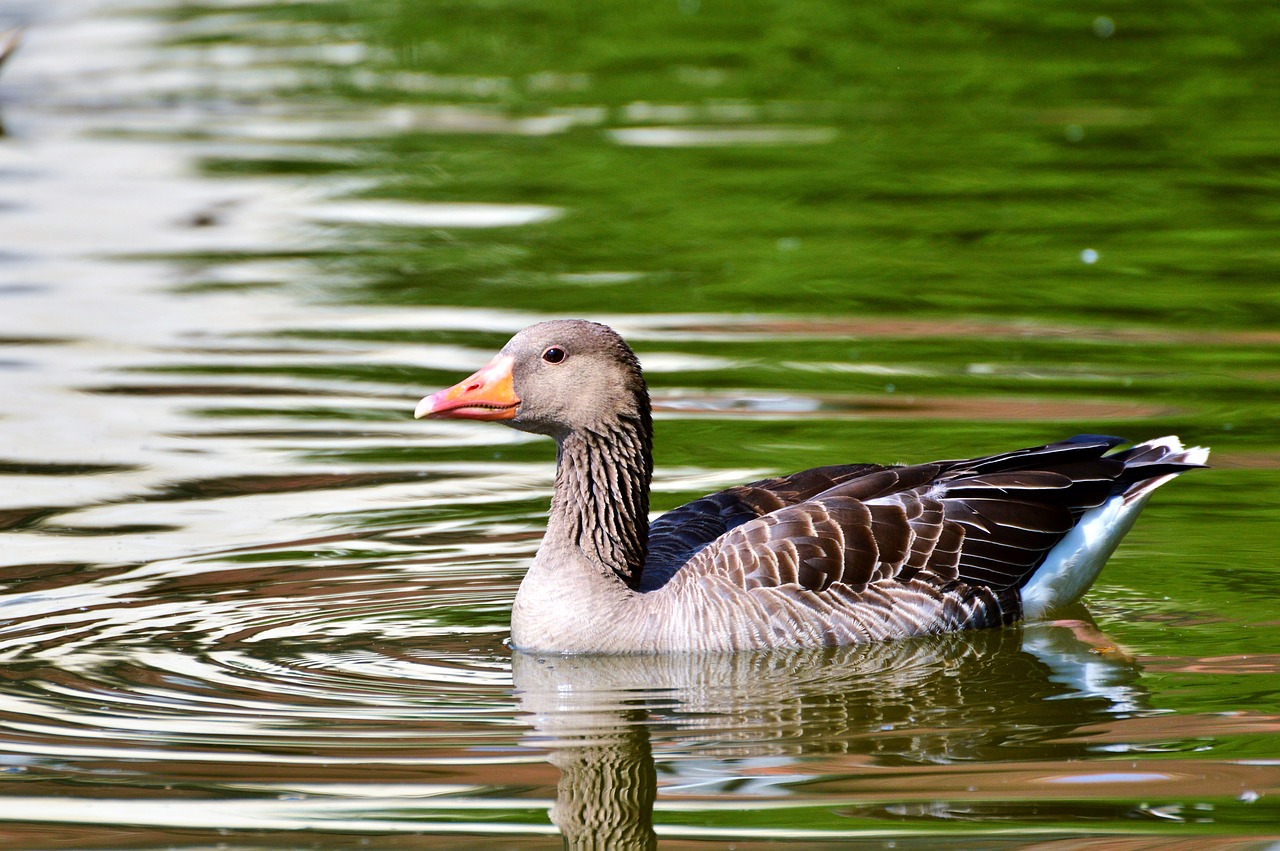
554 378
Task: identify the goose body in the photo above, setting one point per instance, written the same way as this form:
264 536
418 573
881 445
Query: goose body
831 556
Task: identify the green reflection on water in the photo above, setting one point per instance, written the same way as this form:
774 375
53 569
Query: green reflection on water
973 154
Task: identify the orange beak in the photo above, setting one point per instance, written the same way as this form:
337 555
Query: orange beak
487 395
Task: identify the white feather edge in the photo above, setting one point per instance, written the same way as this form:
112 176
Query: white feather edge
1073 565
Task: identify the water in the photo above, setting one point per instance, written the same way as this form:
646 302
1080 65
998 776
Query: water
248 602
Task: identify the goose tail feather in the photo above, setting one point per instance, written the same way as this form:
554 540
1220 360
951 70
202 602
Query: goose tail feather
1153 463
1072 566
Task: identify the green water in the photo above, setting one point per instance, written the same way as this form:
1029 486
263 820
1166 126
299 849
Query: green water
955 162
248 600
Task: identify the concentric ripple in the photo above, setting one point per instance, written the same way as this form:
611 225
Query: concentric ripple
344 664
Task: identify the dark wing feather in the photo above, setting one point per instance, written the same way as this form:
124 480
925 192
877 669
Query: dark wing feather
986 522
1084 447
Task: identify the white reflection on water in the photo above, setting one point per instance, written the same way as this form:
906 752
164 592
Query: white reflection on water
404 214
707 137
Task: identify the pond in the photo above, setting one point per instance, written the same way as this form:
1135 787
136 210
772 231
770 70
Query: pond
248 602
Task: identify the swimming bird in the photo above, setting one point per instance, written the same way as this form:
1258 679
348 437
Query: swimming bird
835 555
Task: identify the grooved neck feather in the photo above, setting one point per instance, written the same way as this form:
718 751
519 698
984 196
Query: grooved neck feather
601 501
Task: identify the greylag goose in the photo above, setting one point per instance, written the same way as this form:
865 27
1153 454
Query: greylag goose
831 556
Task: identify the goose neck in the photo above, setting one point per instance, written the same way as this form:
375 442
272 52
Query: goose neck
601 501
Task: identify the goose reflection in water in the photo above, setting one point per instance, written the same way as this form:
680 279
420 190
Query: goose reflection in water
994 695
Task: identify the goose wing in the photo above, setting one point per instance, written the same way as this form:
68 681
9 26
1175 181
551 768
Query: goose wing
984 522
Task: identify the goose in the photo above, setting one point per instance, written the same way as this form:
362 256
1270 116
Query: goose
836 555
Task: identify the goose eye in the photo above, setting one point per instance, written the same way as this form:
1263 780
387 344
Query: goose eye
555 354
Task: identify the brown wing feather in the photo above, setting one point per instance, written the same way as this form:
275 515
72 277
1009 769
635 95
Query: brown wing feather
985 522
830 540
676 536
839 555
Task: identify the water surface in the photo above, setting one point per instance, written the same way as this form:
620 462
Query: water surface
248 600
